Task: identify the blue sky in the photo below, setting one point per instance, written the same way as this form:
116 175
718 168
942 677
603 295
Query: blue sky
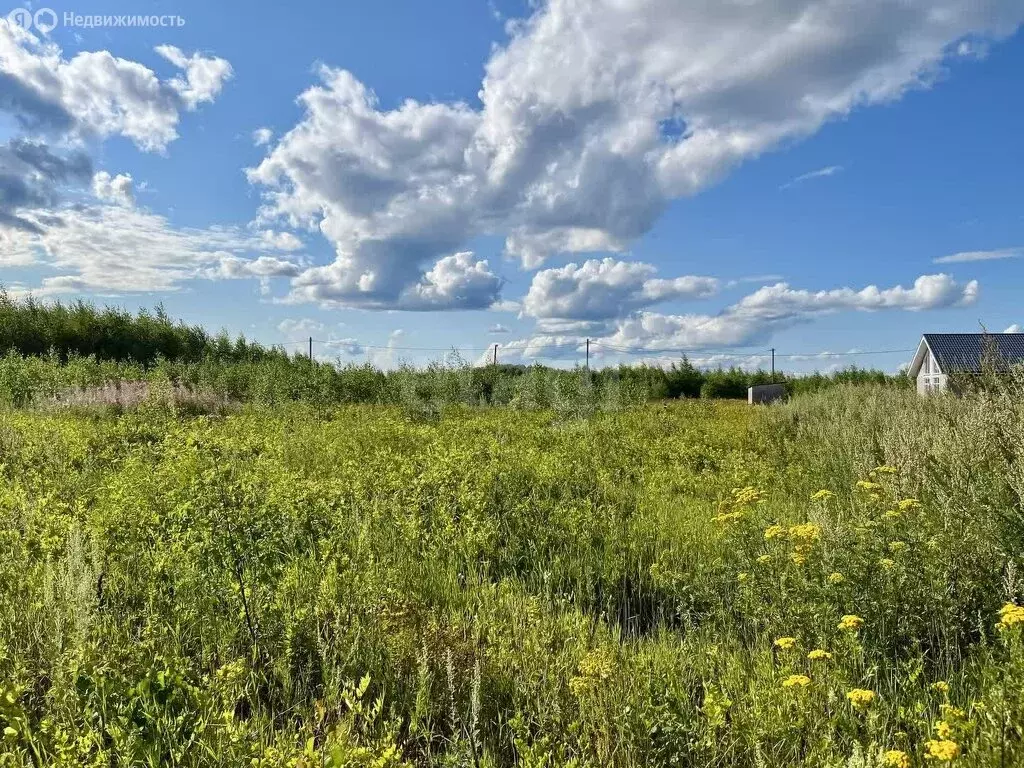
400 178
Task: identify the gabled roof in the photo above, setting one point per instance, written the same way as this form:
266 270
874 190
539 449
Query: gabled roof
965 351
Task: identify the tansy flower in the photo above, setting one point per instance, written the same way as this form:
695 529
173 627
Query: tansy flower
851 623
892 514
884 470
742 577
823 495
807 533
887 564
943 729
748 495
798 558
764 559
1010 616
944 751
898 546
861 698
952 713
867 485
941 686
896 759
785 643
836 578
796 681
908 504
819 654
774 532
729 517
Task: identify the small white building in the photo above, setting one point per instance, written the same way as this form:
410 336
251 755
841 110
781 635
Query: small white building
941 354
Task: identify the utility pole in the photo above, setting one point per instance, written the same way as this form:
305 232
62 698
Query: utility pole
495 354
588 354
773 365
310 349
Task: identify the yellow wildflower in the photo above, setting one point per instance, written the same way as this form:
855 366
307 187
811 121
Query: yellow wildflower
884 470
898 546
748 495
785 643
798 558
943 729
823 495
867 485
940 686
774 532
952 713
807 533
906 505
944 750
851 623
764 559
742 577
892 514
861 698
819 654
836 578
729 517
1010 616
796 681
887 564
894 758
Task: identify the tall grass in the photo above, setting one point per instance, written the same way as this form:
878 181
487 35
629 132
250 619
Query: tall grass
320 585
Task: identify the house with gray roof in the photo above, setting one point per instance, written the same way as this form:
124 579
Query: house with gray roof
941 355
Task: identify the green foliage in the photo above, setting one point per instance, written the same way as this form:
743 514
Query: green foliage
558 583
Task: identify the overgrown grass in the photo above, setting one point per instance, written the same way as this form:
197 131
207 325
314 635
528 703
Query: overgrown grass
311 585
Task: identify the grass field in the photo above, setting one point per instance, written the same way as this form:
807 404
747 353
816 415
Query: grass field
824 583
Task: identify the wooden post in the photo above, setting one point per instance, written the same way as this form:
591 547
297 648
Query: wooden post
588 354
495 354
773 365
310 349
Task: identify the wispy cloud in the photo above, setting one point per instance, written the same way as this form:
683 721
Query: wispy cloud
963 256
830 170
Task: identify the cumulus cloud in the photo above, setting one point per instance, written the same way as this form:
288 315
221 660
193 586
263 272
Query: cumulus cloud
498 329
593 116
31 175
262 136
1015 328
751 320
97 94
968 256
605 289
114 189
304 326
280 241
114 249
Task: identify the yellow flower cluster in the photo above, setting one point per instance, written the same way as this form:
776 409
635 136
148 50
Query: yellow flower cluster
729 517
819 654
796 681
798 557
898 546
823 495
774 532
907 505
785 643
808 533
851 623
884 470
867 485
894 758
941 687
748 495
764 559
1010 615
887 564
861 698
836 578
945 751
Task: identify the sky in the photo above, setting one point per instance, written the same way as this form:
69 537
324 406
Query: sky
401 179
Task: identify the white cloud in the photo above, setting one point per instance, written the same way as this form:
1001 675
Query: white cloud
280 241
831 170
300 328
97 94
968 256
204 75
114 189
262 136
752 320
498 329
1015 328
593 116
113 249
605 289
